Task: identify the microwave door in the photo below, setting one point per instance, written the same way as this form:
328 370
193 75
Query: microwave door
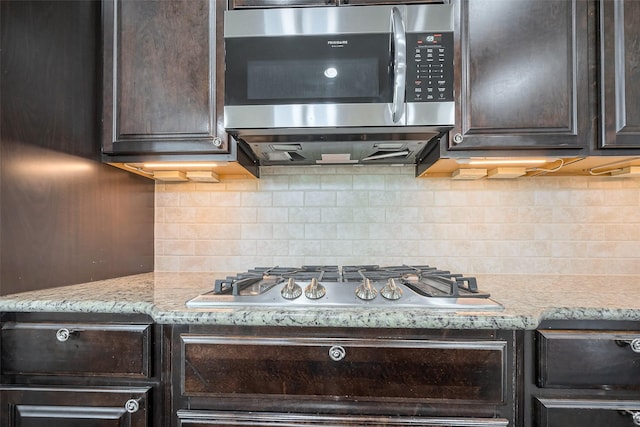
302 74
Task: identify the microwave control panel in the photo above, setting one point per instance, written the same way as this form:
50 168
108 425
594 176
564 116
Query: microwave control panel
429 67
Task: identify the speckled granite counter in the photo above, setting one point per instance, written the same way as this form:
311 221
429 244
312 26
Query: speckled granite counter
527 301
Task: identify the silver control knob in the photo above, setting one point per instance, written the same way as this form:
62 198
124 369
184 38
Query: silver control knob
366 291
314 290
291 290
391 290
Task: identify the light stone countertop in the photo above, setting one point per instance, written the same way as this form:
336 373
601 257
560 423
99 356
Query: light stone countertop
527 301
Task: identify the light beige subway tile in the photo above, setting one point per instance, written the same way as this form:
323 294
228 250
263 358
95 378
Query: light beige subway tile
336 182
273 215
166 199
226 215
257 199
288 198
320 198
400 214
179 214
167 231
167 263
195 264
352 198
178 247
570 215
535 214
553 198
195 199
272 247
274 183
304 215
369 215
211 231
569 232
256 231
336 215
369 182
241 185
622 232
305 182
288 231
353 231
320 231
305 247
336 248
225 199
226 247
401 183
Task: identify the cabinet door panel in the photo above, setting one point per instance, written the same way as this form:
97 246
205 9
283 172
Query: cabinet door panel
620 70
586 413
591 359
411 370
67 407
524 75
160 75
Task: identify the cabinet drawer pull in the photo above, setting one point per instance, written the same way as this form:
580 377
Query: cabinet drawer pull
634 344
635 416
63 334
337 353
132 405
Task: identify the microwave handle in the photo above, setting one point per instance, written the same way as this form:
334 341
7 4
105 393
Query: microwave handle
399 64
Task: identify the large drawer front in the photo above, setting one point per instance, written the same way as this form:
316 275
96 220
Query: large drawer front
265 419
587 413
76 349
589 359
410 370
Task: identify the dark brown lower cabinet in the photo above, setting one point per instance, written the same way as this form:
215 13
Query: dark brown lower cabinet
328 377
73 407
587 412
583 374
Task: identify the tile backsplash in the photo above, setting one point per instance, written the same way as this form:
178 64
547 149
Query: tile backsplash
383 215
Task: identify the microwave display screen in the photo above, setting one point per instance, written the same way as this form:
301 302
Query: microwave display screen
313 79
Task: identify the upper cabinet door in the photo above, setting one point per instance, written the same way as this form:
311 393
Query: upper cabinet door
160 77
523 76
620 73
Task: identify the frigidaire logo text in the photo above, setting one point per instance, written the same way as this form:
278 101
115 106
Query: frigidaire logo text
334 43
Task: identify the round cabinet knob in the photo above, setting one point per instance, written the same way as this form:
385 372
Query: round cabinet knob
458 138
132 405
217 142
635 416
63 334
337 353
635 345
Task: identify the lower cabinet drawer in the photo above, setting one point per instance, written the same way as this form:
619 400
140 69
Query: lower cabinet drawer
588 359
209 418
357 369
586 413
73 407
102 349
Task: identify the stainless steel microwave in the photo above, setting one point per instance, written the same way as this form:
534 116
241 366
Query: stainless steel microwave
348 66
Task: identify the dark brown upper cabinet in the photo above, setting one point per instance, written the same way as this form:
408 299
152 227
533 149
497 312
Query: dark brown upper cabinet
160 78
523 78
620 73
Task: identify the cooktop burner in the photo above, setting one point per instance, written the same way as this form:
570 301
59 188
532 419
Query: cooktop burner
419 286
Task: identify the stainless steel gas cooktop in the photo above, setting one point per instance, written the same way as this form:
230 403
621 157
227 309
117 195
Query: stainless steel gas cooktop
403 286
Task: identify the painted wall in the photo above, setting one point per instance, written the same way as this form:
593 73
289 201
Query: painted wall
383 215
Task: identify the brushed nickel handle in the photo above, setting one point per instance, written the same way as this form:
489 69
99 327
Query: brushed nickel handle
337 353
634 344
63 334
635 416
132 405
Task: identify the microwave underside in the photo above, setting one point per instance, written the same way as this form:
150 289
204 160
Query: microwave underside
322 149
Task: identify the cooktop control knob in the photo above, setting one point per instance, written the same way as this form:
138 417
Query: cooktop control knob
291 290
366 291
391 290
314 290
